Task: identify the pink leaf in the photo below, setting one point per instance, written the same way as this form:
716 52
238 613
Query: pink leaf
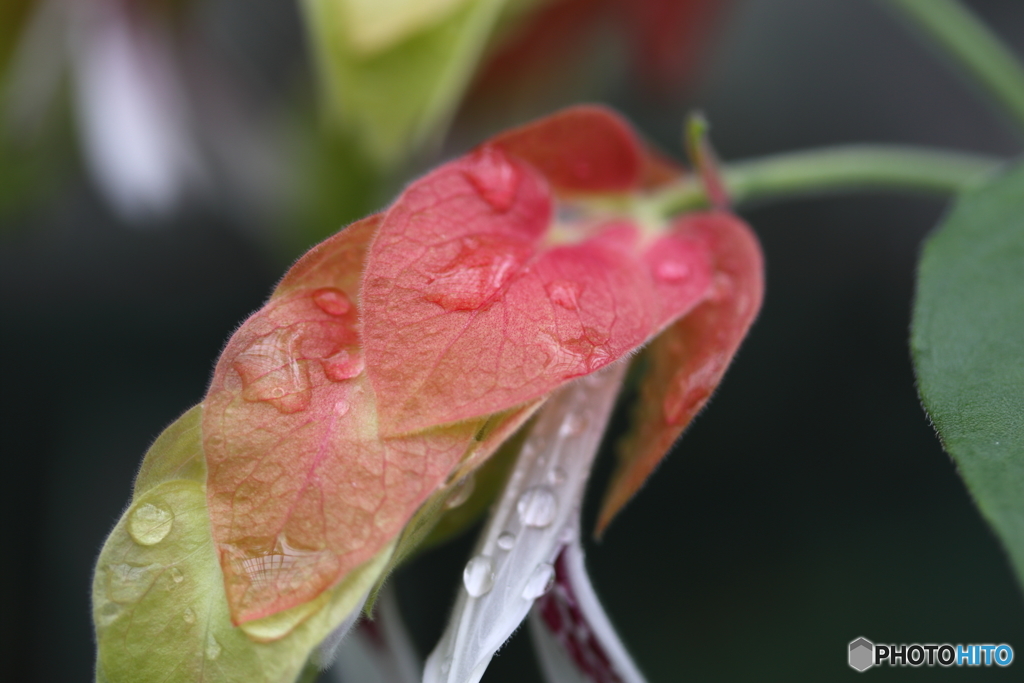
301 487
468 311
583 149
688 360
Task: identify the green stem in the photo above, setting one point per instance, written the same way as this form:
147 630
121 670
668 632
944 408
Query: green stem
973 47
832 170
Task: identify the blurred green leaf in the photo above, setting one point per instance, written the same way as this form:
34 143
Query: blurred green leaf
397 99
968 348
159 604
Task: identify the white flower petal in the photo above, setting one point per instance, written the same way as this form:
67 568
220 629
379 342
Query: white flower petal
574 640
536 516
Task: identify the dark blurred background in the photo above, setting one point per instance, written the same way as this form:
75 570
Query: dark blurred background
809 504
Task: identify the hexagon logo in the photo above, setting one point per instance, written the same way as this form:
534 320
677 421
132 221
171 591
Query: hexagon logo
862 654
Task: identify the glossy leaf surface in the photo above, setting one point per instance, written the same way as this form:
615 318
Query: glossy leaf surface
687 360
968 348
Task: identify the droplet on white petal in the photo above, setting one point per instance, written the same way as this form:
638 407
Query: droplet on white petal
531 523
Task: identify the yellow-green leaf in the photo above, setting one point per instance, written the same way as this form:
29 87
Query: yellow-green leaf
395 100
159 605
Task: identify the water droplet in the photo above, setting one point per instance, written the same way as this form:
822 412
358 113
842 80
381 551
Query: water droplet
343 365
573 425
108 613
478 576
540 582
176 575
493 175
189 616
332 301
282 566
506 541
675 406
149 524
672 271
127 583
537 507
213 648
462 491
342 407
557 476
270 372
469 273
564 293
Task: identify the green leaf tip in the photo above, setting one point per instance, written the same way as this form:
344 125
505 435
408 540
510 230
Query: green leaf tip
159 605
968 348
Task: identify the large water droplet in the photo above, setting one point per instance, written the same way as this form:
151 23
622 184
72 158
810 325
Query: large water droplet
540 582
189 616
343 365
270 372
478 576
469 273
149 524
537 507
213 648
332 301
285 568
564 293
493 175
506 541
462 491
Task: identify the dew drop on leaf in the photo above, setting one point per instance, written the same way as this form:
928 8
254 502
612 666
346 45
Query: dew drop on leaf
343 365
506 541
332 301
213 648
537 507
494 177
189 616
150 524
478 576
176 576
564 293
672 271
126 583
469 273
540 582
462 491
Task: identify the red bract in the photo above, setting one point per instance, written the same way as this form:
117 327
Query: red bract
302 488
688 360
401 352
470 309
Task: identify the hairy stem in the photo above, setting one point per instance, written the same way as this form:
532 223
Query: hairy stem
973 48
831 170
